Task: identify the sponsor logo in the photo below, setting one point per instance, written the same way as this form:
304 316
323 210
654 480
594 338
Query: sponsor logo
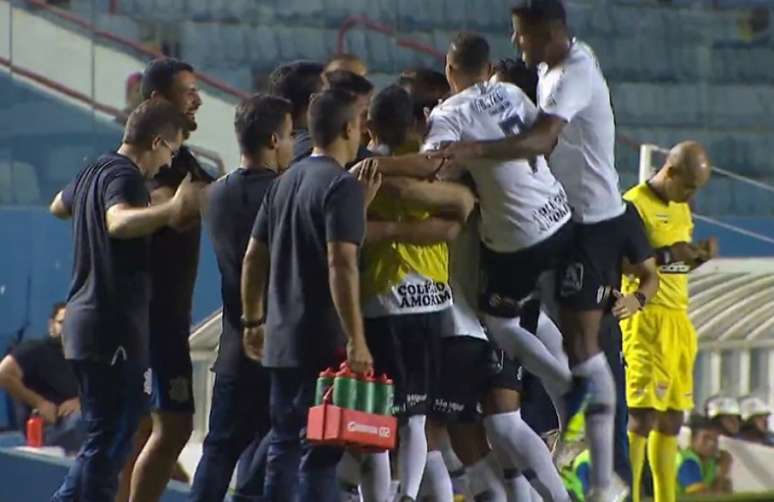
603 294
382 432
147 383
677 267
554 211
661 390
424 294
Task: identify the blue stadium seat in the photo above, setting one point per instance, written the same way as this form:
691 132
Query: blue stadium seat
355 43
315 43
413 15
380 53
167 10
456 14
307 12
656 60
288 48
261 47
200 43
579 17
123 26
198 10
233 41
501 48
241 78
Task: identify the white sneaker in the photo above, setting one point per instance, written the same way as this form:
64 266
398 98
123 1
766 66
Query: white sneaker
616 492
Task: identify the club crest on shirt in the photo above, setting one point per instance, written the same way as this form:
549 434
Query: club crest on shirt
662 217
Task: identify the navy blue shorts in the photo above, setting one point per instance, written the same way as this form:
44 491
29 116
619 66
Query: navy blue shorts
170 380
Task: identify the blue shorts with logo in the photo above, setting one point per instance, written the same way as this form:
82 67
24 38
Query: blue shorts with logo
170 378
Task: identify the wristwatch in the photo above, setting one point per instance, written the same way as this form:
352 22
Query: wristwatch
641 298
251 323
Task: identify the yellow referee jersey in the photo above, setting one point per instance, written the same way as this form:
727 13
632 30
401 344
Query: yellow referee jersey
665 223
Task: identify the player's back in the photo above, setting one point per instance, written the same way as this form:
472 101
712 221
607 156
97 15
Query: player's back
521 201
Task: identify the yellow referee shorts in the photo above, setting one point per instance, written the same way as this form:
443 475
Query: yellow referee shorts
660 350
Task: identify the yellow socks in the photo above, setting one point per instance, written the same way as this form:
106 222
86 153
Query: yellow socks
662 452
637 446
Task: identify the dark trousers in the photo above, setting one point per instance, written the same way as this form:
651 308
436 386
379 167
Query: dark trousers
239 420
296 470
112 402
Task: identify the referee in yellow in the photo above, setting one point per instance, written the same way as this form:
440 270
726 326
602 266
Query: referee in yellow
659 341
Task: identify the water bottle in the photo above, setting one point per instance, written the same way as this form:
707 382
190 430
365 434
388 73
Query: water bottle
324 382
35 430
345 388
383 395
366 393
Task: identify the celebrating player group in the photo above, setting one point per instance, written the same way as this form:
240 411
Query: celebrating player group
463 233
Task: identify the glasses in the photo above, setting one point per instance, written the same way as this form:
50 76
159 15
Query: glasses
171 150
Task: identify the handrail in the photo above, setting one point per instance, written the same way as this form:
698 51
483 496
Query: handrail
119 115
117 39
368 23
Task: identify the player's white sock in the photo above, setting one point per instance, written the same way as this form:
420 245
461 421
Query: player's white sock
436 483
549 334
457 471
517 487
516 441
600 414
348 474
375 477
412 455
485 481
551 368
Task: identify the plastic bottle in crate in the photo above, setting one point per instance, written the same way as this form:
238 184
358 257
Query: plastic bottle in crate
345 388
35 430
324 382
383 395
366 393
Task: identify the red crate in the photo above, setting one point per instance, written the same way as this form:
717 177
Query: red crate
328 424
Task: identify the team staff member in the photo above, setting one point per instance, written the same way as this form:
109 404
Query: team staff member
240 402
174 263
106 325
310 227
660 342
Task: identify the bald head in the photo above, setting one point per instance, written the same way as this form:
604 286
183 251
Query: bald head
687 168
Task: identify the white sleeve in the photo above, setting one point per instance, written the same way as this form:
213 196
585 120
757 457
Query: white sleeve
570 93
440 128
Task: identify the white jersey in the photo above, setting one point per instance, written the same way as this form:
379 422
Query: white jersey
463 277
521 202
584 157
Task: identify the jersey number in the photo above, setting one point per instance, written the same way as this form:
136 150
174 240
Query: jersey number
512 126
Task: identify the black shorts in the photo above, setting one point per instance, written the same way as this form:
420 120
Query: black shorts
408 349
591 269
509 278
471 367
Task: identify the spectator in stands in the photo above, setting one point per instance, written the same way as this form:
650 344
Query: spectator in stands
755 421
37 376
725 413
515 71
703 467
296 82
347 62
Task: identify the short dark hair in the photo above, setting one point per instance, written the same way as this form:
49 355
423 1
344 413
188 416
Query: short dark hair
159 75
516 72
539 11
296 82
257 118
153 117
348 81
329 112
425 87
470 52
56 308
391 113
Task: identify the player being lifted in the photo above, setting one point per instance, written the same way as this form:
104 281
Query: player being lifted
576 129
525 218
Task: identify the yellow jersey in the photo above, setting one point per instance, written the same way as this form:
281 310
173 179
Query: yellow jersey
665 224
398 278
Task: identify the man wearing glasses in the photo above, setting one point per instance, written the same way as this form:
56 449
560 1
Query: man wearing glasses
105 331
